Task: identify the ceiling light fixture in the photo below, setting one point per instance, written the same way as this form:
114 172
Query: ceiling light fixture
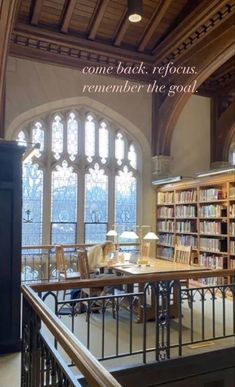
215 172
167 180
135 10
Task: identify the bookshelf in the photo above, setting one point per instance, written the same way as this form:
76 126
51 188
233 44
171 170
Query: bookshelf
199 213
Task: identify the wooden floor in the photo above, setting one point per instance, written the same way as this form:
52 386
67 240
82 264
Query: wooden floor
10 370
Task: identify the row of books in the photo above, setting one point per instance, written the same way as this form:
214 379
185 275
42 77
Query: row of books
232 247
213 261
186 226
210 227
166 252
165 197
232 210
212 210
165 212
186 196
232 263
185 211
166 239
232 228
210 244
213 281
232 192
212 194
166 225
186 240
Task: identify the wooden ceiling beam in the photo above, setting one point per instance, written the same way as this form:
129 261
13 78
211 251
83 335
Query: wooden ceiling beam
36 12
122 30
201 14
67 16
98 18
154 23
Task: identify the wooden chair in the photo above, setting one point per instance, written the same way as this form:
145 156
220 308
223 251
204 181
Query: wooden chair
62 268
85 274
182 254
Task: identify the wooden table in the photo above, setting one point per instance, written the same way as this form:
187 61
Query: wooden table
155 266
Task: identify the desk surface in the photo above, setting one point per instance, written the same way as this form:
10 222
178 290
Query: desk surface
156 266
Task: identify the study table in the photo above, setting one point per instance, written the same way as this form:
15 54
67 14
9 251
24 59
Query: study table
155 265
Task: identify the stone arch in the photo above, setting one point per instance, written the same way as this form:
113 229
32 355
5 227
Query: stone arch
74 102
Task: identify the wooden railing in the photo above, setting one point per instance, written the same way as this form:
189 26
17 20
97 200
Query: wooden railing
93 371
161 285
39 261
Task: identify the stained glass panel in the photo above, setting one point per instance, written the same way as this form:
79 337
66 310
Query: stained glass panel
95 232
119 148
72 136
38 137
89 138
57 136
132 156
103 142
64 203
96 200
21 138
125 199
32 205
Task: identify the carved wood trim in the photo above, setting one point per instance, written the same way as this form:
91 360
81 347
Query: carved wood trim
193 29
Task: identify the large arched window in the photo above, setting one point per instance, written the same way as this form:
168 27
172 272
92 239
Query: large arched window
82 180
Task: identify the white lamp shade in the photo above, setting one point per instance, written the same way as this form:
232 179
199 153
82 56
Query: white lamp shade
151 236
111 233
129 235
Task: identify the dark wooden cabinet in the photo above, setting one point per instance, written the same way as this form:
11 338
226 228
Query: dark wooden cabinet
10 245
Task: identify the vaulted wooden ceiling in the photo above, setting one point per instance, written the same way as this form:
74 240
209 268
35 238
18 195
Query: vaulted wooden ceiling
77 32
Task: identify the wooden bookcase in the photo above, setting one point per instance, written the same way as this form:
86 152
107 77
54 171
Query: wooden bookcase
10 245
200 213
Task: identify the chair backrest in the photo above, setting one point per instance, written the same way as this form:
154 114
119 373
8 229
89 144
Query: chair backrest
60 260
145 249
182 254
83 264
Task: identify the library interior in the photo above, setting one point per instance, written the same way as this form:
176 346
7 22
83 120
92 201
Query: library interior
117 193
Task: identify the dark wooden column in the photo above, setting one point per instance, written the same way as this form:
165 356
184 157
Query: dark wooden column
10 245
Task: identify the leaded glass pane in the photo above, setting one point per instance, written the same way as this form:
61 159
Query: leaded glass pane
38 137
64 202
89 138
57 136
21 138
72 136
103 142
119 148
96 199
32 205
132 156
63 233
125 199
95 232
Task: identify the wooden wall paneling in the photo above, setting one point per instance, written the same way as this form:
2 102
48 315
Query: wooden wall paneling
7 17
